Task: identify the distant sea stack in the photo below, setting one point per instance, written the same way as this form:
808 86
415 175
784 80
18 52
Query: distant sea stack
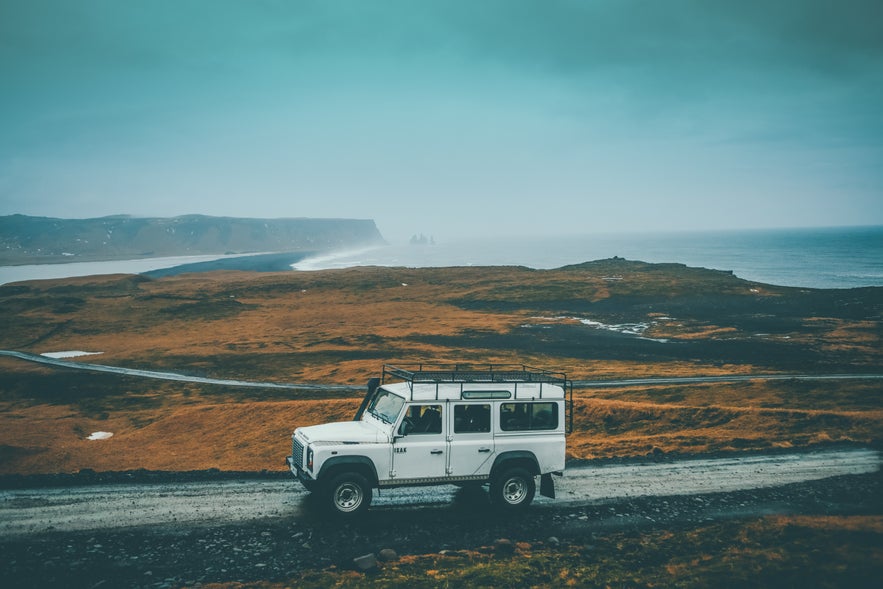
45 240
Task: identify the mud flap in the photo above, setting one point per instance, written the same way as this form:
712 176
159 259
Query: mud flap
547 486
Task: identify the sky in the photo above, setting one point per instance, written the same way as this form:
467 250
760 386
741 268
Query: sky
450 118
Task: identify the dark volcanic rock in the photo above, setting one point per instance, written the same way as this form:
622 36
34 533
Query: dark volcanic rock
274 549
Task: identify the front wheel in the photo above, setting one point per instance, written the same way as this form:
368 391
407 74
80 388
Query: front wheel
349 494
512 489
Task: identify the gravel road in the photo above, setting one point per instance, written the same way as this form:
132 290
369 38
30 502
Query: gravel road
102 507
175 533
344 388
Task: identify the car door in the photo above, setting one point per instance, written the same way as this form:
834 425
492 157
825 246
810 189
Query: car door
472 441
419 450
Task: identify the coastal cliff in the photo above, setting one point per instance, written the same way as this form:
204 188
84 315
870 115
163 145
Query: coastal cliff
44 240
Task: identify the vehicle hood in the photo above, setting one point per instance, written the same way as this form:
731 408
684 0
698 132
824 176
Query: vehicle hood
354 432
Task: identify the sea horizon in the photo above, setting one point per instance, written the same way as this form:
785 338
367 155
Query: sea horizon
823 257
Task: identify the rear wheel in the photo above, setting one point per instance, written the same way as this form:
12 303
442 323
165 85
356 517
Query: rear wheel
349 494
513 488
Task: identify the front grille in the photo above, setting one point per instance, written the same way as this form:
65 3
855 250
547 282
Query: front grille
297 452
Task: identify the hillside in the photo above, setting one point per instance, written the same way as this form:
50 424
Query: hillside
45 240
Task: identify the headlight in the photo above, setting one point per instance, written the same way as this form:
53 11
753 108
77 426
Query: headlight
310 458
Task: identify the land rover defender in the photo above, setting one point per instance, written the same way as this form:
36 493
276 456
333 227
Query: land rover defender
441 425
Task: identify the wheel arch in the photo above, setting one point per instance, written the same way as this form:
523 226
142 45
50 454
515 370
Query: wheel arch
337 464
516 458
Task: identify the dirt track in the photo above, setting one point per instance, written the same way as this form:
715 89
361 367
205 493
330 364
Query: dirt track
102 507
170 533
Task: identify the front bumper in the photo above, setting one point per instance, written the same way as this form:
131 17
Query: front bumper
301 475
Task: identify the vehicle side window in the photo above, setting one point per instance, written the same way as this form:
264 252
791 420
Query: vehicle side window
422 419
528 416
472 418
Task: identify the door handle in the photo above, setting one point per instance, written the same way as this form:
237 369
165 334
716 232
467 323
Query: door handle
436 452
484 449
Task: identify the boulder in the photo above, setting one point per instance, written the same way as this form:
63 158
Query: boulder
366 562
388 555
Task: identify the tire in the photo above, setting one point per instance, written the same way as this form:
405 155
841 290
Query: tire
513 489
349 494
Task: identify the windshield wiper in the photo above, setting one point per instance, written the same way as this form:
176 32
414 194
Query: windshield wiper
379 416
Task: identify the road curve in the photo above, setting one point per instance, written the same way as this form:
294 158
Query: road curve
27 512
173 375
580 384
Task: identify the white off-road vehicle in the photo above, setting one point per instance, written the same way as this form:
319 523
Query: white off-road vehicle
442 425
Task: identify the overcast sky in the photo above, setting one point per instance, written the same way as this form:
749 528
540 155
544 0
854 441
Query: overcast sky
447 117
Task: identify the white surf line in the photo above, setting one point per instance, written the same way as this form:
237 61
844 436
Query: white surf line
174 376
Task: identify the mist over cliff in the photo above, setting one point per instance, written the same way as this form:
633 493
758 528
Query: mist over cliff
39 240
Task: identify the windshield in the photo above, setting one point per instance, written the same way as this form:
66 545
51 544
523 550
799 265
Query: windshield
385 406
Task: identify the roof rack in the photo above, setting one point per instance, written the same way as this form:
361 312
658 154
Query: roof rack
465 373
475 373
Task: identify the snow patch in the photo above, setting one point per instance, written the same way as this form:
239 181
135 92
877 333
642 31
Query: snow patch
69 354
626 328
99 436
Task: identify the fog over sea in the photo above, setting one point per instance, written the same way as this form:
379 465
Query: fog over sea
814 258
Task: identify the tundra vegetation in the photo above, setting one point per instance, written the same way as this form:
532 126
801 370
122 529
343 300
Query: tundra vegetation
610 319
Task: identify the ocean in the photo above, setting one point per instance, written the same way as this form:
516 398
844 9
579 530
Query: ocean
812 258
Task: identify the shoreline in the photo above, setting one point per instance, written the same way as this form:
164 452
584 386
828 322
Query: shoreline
822 258
154 267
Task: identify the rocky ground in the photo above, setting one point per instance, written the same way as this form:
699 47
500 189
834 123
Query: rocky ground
172 555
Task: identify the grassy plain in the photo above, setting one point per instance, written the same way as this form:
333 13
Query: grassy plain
601 320
341 326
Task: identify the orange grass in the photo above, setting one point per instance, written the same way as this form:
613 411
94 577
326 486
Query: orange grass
341 326
189 434
604 428
234 436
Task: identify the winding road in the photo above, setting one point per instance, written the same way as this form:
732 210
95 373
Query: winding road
580 384
172 375
174 532
110 506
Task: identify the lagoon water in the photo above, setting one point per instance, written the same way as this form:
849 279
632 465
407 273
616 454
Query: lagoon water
814 258
48 271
